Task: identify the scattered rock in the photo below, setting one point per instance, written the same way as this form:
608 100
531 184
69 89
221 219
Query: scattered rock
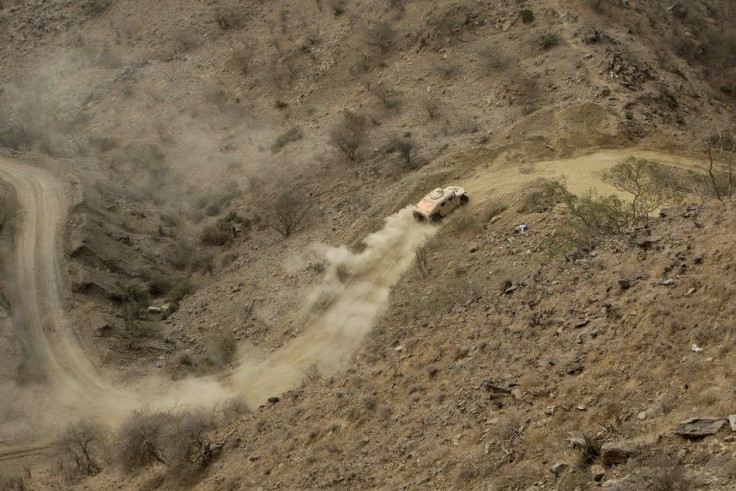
624 283
559 468
154 310
598 472
694 428
473 247
613 453
667 282
273 400
642 416
732 422
647 242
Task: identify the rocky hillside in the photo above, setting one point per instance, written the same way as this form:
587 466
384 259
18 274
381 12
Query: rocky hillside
210 145
184 119
494 369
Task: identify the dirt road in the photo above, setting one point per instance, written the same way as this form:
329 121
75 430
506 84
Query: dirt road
68 386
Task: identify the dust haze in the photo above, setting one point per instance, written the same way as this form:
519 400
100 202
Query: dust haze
64 385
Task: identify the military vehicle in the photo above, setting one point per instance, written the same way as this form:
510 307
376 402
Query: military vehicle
440 203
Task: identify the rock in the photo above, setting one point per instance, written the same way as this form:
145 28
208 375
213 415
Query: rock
273 400
559 468
154 310
473 247
732 422
598 472
667 282
510 289
624 283
613 453
641 416
647 242
695 428
169 307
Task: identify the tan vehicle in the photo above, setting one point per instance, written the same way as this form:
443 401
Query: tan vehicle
440 203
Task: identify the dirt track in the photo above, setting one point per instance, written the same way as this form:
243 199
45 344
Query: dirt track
76 388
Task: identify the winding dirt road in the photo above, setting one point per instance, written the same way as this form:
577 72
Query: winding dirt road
67 386
53 355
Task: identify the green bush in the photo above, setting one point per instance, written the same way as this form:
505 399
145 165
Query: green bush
292 135
548 40
527 16
133 299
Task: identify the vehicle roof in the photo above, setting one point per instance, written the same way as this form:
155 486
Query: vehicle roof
440 194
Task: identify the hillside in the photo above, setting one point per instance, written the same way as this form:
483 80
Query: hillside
235 174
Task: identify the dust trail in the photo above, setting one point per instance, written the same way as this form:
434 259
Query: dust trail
60 383
355 291
64 383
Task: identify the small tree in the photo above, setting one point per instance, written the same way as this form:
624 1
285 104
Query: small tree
140 439
348 135
722 180
287 214
82 442
431 106
406 147
381 35
646 181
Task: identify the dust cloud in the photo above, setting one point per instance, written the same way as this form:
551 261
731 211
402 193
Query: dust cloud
336 317
341 311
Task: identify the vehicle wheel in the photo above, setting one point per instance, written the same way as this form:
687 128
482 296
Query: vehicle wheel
464 199
436 218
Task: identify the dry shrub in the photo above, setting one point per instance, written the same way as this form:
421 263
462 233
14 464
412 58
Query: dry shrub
432 106
287 212
177 439
140 439
230 18
13 482
380 35
647 182
186 40
389 97
666 474
84 444
349 134
241 59
216 235
406 147
451 21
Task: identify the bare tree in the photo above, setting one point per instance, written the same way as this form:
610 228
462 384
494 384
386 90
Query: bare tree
381 35
140 439
406 147
82 442
348 135
287 213
646 181
431 106
721 144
